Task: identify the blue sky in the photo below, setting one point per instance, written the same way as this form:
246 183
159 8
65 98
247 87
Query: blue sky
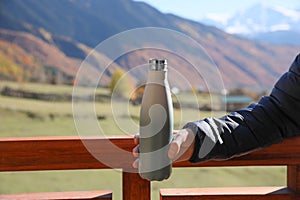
197 9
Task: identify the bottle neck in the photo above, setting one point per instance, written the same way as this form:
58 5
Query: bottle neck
158 77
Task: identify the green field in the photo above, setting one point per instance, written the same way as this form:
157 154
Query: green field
28 117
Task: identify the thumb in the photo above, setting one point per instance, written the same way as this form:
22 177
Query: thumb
173 149
182 145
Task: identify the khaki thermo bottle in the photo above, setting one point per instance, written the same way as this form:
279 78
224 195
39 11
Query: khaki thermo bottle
156 124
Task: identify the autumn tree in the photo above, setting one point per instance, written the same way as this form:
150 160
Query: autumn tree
120 84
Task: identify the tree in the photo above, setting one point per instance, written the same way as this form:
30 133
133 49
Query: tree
120 84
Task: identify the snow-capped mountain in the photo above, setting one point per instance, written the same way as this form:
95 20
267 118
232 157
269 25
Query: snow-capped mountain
268 23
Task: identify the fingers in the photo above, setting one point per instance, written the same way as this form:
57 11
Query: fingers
136 139
135 151
135 164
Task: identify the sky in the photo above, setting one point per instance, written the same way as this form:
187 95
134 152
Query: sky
198 9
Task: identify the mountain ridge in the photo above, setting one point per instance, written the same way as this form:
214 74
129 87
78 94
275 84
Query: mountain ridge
77 30
266 23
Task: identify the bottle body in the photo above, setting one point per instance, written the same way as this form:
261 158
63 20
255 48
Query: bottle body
156 126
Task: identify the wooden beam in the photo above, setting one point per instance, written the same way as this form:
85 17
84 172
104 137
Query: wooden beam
134 187
237 193
78 195
293 178
283 153
63 153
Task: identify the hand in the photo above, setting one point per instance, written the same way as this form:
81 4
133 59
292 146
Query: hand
181 147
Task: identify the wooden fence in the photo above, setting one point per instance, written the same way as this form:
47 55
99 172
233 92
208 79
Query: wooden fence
68 153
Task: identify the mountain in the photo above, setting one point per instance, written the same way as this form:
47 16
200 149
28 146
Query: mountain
85 21
25 57
59 34
267 23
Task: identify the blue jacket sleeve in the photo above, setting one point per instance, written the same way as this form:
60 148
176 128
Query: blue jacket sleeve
272 119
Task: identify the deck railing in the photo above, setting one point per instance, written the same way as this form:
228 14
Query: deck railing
68 153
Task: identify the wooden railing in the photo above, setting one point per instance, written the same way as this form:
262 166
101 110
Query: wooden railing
67 153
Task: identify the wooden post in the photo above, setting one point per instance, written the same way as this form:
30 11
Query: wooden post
293 178
134 187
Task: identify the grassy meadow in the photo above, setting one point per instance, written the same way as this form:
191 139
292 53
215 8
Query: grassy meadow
28 117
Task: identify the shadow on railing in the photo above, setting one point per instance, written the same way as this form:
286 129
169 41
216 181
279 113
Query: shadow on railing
67 153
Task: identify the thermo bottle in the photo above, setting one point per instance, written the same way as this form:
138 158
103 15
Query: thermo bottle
156 124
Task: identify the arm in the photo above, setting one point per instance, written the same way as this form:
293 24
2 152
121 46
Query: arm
272 119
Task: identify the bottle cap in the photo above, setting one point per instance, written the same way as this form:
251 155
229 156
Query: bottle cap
158 64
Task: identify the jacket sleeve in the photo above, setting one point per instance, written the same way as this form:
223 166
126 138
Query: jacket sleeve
272 119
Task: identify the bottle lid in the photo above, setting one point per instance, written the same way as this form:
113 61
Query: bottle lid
158 64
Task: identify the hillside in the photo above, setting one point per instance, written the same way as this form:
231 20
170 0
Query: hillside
34 59
71 28
21 67
29 58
